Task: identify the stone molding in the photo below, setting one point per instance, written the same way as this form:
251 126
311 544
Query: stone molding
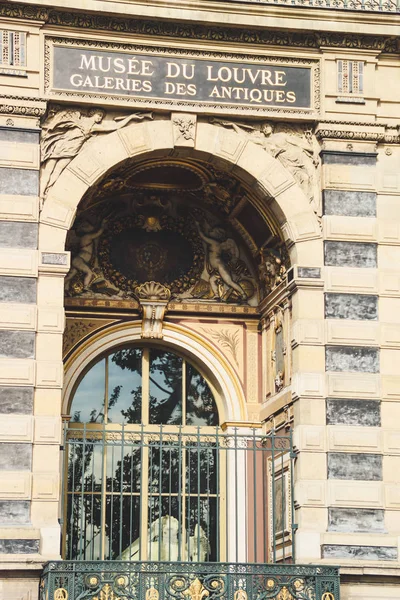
196 31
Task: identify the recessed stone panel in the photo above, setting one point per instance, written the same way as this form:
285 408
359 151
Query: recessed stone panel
350 254
343 411
15 457
362 467
309 272
355 359
360 307
359 552
14 512
17 344
18 235
356 520
349 204
19 546
23 182
18 289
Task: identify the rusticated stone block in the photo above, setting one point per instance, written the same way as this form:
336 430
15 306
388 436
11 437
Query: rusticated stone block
18 235
17 344
340 157
19 546
350 254
361 307
359 552
365 413
15 457
362 467
18 289
349 204
14 512
24 136
16 400
22 182
356 520
356 359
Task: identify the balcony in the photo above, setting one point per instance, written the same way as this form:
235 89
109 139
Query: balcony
122 580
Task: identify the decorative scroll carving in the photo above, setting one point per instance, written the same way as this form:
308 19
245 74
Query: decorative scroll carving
153 298
296 149
64 133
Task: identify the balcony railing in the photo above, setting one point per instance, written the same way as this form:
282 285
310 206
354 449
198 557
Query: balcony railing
122 580
384 6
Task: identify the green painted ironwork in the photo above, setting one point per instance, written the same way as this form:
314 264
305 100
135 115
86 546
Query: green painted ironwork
121 580
173 494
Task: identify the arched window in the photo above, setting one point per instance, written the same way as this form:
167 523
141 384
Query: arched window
134 385
143 476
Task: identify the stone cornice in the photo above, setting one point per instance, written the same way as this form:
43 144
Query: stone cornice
195 31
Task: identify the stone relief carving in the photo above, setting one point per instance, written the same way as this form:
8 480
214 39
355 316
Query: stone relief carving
184 129
222 255
296 149
64 133
279 351
125 241
272 268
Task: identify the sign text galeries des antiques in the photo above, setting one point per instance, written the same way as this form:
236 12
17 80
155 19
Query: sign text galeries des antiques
145 75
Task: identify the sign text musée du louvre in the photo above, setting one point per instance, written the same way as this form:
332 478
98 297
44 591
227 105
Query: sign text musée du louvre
172 79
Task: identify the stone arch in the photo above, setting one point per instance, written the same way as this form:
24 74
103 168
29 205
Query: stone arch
240 156
230 395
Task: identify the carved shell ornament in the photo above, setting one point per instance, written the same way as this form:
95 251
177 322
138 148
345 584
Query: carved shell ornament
152 290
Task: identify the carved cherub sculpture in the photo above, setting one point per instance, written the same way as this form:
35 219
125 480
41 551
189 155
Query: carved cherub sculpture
220 246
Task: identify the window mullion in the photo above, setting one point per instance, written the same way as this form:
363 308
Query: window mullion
106 391
145 386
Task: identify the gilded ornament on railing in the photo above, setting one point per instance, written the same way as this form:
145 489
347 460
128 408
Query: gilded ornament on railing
61 594
240 595
196 591
328 596
152 594
284 594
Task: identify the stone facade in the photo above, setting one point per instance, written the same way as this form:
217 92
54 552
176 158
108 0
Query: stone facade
320 349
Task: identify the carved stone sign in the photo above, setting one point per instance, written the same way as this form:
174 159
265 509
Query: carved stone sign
188 79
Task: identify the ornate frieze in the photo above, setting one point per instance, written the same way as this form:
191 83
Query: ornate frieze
193 31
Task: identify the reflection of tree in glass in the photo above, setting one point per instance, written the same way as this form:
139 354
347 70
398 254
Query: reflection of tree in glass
200 403
165 377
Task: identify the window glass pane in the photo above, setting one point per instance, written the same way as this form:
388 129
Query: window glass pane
88 403
125 386
128 478
165 529
200 404
165 388
122 527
